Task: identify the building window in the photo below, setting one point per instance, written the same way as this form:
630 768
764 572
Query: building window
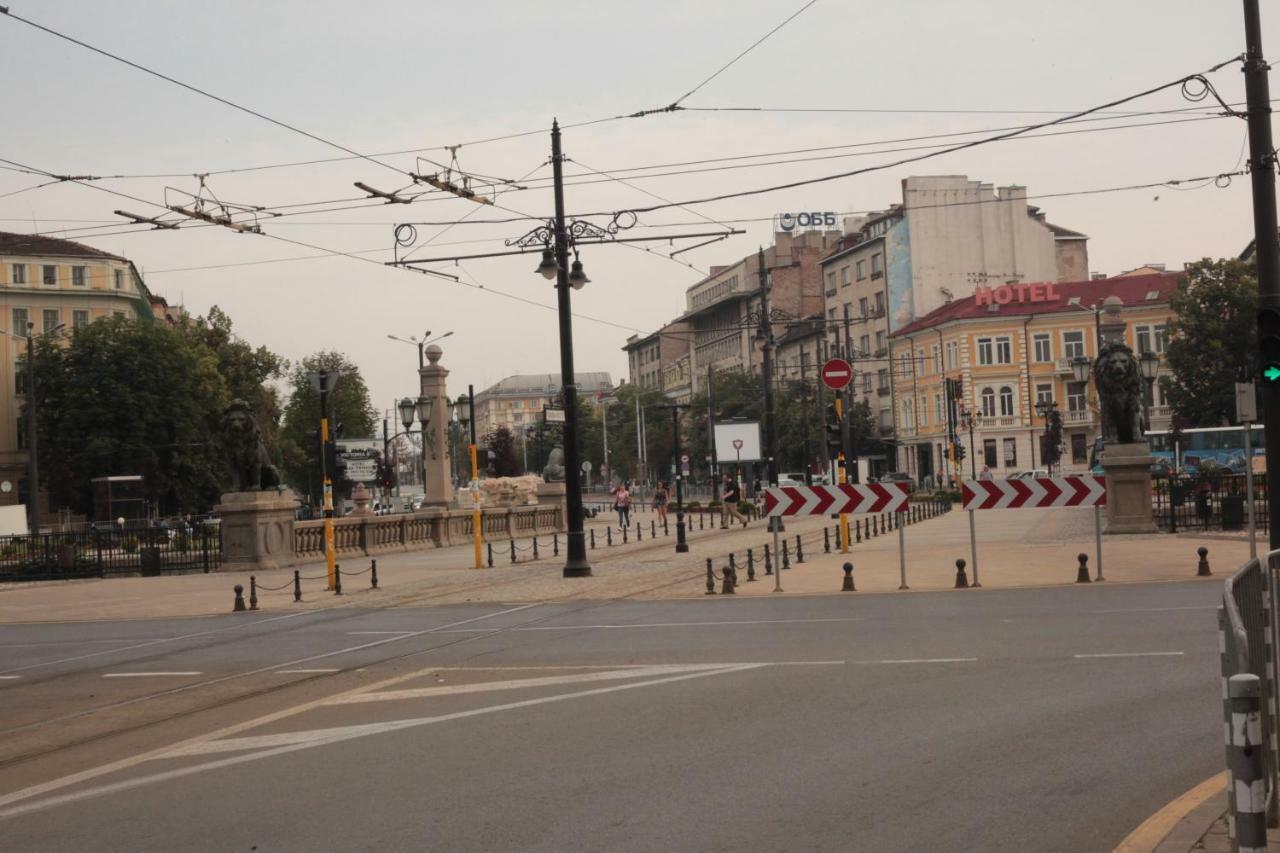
20 320
831 282
880 342
118 314
79 318
1004 351
19 273
908 414
953 355
1044 394
1150 338
879 304
985 350
1043 347
20 379
1079 448
924 411
1010 453
866 383
882 379
988 403
78 277
989 452
49 274
50 317
844 276
119 279
1075 397
861 270
1072 345
1006 401
921 366
865 344
862 306
937 359
939 413
877 265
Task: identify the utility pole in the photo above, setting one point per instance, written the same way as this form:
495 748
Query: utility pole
714 466
766 336
682 547
33 448
326 448
820 398
808 442
1262 164
848 445
576 565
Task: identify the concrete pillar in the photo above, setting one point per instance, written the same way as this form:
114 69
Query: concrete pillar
439 485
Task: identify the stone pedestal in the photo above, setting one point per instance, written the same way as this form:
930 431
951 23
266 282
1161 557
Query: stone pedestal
1128 471
362 499
551 494
256 530
432 382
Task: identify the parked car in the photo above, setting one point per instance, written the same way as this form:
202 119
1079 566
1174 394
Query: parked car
1033 474
899 477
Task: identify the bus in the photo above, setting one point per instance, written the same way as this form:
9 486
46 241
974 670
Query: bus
1223 447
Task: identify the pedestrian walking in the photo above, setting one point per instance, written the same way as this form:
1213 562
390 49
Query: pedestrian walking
660 496
986 473
622 504
730 494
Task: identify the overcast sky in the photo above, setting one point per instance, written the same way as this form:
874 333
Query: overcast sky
389 76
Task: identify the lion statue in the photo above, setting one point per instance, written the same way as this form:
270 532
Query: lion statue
554 472
251 468
1120 393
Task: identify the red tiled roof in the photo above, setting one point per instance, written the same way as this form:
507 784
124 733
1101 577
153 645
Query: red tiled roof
1132 290
35 244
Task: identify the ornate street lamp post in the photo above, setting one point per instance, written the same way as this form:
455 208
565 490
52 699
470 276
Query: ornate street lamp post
1149 365
422 408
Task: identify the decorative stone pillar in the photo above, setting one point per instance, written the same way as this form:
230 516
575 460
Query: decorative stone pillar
439 485
256 529
1128 470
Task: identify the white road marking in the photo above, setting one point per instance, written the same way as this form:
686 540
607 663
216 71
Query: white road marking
1131 655
1158 609
304 671
675 624
145 674
294 741
9 677
918 660
377 633
73 643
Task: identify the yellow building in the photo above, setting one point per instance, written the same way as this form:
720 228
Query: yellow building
46 283
1011 347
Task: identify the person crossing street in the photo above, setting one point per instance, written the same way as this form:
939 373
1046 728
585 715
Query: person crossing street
731 493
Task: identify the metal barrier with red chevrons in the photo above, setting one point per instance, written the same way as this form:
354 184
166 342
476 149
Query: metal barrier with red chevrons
1074 490
842 498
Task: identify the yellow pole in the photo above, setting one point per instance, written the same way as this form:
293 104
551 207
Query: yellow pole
476 526
842 477
330 548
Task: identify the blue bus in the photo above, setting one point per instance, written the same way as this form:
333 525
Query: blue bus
1222 447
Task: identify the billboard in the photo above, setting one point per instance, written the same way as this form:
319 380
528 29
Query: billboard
738 442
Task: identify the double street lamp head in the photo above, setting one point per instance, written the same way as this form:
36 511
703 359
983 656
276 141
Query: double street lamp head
424 408
1149 364
406 407
549 268
1080 368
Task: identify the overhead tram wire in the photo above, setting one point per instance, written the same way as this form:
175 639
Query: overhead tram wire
1181 81
100 51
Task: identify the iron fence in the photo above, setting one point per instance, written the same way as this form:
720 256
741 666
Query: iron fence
1208 502
110 553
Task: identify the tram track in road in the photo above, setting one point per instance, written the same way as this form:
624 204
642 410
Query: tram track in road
309 679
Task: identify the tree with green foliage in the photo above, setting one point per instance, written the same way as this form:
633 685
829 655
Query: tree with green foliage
121 397
1211 341
500 447
350 411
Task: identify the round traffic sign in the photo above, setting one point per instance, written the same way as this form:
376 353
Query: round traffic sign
684 458
837 373
586 467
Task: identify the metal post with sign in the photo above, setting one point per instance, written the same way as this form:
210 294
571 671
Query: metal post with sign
1247 414
836 375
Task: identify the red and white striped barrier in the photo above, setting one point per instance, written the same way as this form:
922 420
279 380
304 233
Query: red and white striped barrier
1075 490
845 498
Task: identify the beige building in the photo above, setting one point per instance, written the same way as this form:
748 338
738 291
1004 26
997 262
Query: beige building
46 283
517 401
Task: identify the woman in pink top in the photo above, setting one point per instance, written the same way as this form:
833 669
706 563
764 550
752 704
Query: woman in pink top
622 503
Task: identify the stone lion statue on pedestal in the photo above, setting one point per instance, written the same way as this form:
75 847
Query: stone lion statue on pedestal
247 457
1120 394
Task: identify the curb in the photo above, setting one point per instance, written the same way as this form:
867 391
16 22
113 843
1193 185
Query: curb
1179 825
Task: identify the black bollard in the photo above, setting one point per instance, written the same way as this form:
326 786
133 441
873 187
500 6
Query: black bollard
608 536
489 545
733 565
297 585
337 579
624 536
799 550
653 529
593 539
730 584
665 530
373 574
711 579
638 533
826 540
768 561
1082 574
751 566
555 544
1202 568
786 558
848 586
859 530
962 580
239 605
253 593
512 543
701 518
535 547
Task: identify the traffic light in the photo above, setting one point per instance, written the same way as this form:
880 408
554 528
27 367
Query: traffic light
832 424
959 452
1269 346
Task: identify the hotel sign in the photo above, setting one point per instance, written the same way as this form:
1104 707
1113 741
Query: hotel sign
1045 291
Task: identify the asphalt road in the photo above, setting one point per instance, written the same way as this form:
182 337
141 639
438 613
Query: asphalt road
1047 719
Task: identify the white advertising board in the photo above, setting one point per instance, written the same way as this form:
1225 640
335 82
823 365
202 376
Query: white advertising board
746 434
13 520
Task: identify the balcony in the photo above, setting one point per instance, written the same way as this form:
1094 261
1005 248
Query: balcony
883 390
1079 418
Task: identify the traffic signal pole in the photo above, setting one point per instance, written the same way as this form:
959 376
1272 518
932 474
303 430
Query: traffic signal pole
477 529
1262 164
330 549
841 414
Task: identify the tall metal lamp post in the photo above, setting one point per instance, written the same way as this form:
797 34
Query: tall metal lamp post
422 408
967 421
420 344
682 546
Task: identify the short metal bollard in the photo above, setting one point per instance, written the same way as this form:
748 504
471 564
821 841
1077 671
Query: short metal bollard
297 585
239 604
1202 568
653 529
962 579
513 549
593 538
555 544
711 579
702 517
666 531
1248 778
639 536
535 547
768 562
253 592
337 579
732 563
799 550
786 558
751 566
826 540
848 586
1082 573
624 535
608 536
858 528
373 574
489 545
729 585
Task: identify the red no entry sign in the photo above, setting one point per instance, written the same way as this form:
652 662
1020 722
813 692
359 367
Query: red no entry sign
836 374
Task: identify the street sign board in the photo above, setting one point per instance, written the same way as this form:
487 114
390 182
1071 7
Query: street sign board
684 458
586 467
837 373
361 470
1075 490
748 432
554 416
1246 403
842 498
